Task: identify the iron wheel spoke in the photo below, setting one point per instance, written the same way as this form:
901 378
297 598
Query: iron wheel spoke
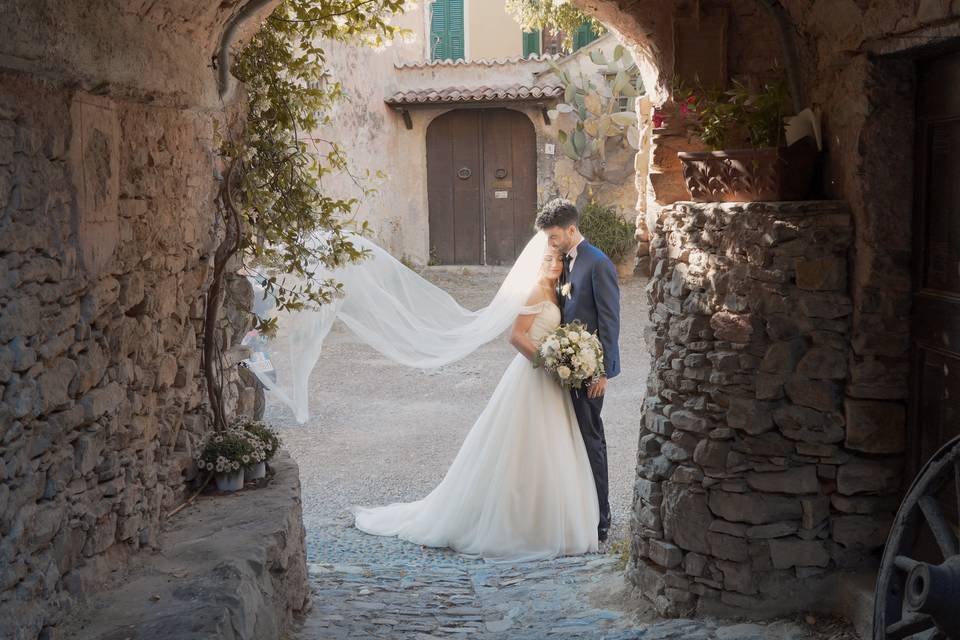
909 625
904 563
956 484
942 531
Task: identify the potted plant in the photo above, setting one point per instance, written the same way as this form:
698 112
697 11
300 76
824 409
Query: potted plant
613 235
269 440
750 160
227 453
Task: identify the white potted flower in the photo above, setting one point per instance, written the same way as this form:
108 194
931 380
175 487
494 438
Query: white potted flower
226 454
267 444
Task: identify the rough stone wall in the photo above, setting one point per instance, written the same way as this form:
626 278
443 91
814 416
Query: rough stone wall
755 473
856 62
856 65
106 232
104 244
863 80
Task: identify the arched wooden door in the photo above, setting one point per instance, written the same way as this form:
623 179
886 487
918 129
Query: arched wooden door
481 185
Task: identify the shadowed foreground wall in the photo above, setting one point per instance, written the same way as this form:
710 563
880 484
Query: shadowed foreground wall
107 186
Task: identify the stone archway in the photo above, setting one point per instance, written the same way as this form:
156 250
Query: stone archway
107 185
865 277
101 395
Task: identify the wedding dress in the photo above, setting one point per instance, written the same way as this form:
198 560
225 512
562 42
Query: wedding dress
520 488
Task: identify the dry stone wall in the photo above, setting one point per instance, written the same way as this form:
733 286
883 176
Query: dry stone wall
106 213
755 473
856 63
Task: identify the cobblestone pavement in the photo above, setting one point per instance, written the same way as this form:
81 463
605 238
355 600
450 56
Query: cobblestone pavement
370 587
382 433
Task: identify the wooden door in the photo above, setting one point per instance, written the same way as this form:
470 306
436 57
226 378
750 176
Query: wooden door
935 315
454 182
510 183
481 184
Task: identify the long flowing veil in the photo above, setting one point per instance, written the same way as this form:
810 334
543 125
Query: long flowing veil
397 312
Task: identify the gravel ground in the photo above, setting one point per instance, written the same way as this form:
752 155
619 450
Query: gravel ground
383 433
380 432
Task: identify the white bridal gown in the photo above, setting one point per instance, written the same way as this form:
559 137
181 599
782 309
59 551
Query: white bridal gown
520 488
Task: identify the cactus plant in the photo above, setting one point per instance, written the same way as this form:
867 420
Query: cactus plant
589 118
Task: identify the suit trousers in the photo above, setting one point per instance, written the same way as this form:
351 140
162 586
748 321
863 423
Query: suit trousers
591 427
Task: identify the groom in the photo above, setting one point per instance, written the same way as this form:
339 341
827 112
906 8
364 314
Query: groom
588 293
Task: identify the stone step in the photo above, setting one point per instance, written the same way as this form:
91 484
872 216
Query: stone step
229 566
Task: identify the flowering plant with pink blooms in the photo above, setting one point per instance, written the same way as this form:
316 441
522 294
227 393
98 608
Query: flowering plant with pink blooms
749 114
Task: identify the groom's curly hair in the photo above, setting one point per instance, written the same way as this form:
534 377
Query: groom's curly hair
559 212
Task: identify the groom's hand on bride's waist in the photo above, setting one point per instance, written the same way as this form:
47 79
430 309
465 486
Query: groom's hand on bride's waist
597 389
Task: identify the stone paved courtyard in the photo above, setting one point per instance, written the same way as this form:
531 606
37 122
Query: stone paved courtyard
381 433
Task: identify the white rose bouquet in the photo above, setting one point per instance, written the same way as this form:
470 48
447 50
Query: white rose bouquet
572 355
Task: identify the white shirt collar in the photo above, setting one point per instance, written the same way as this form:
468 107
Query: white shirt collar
572 254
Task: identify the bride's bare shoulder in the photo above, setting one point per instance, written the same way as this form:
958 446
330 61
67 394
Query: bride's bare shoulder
536 296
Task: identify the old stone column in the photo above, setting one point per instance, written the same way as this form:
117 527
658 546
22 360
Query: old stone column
749 483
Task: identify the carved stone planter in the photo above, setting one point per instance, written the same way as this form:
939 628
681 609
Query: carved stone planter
750 175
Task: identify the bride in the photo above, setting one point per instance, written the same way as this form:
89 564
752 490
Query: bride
521 486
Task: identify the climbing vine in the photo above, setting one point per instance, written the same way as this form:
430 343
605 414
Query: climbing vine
277 216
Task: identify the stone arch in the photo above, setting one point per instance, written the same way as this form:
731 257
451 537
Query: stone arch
856 64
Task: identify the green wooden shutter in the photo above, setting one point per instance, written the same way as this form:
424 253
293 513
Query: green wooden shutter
583 36
455 33
531 43
438 30
446 30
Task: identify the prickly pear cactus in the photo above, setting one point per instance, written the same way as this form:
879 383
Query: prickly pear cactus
590 119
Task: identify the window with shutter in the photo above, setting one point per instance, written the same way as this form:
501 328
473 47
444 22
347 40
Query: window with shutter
583 36
446 30
531 43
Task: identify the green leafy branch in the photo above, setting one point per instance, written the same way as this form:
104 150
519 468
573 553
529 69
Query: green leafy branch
744 115
275 212
552 15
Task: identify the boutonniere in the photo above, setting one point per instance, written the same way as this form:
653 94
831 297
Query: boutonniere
566 290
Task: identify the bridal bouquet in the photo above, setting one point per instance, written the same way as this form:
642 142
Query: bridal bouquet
572 355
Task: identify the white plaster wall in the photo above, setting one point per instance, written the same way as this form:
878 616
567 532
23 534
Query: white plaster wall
373 136
491 32
375 139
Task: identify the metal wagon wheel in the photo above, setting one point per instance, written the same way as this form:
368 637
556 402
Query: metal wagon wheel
918 588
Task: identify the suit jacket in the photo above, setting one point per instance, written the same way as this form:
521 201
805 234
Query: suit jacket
595 301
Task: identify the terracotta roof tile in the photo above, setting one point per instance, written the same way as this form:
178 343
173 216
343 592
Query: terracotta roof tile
474 94
480 63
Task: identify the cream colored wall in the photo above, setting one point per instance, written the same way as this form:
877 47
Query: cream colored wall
374 137
491 32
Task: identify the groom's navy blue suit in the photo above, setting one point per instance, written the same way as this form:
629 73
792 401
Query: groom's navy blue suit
594 300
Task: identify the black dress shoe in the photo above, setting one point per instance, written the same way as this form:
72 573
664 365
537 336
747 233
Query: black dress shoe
602 535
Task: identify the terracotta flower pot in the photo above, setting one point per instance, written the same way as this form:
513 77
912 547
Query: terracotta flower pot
750 175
